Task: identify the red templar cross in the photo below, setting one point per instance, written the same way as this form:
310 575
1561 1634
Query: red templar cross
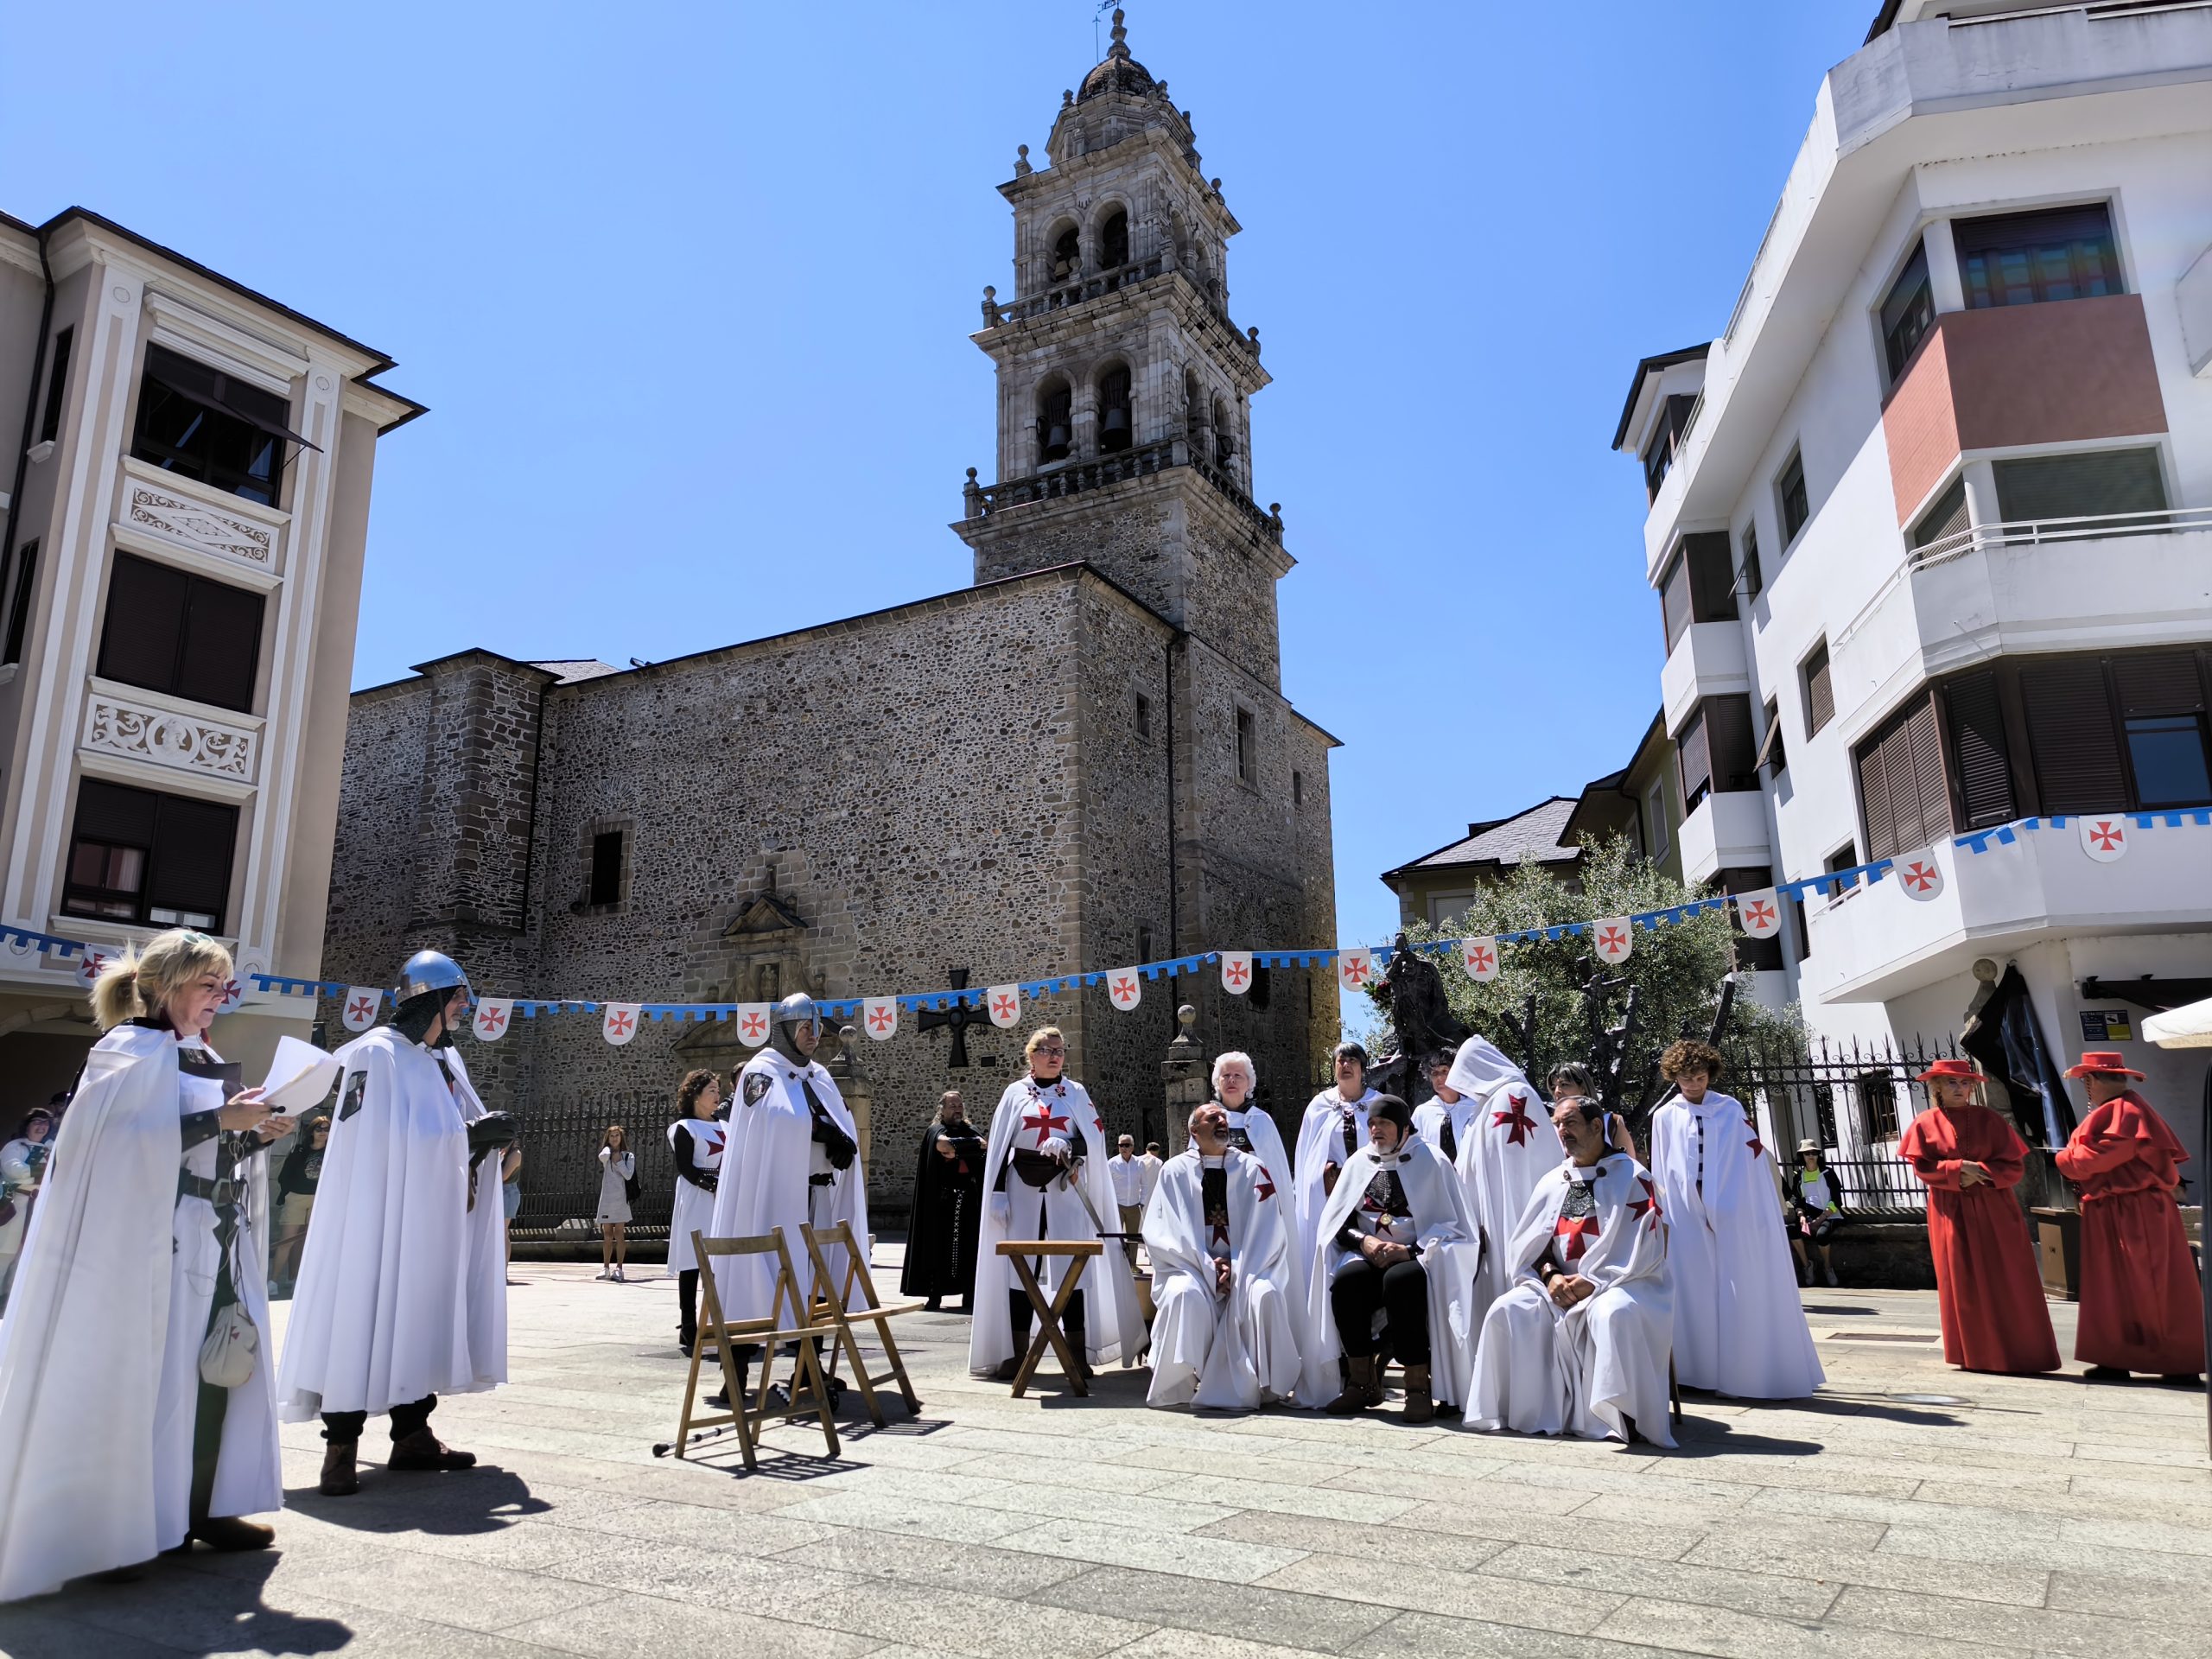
754 1027
1920 876
1758 915
1481 959
2106 835
491 1022
1753 1143
1516 1118
1355 972
1578 1231
619 1023
1124 989
1236 973
881 1019
1612 939
1044 1120
1267 1187
1006 1007
1647 1207
360 1008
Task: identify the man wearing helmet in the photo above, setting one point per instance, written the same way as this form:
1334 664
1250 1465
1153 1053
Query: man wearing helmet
402 1292
793 1158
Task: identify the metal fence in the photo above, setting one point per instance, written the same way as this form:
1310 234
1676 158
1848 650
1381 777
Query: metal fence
1853 1099
561 1167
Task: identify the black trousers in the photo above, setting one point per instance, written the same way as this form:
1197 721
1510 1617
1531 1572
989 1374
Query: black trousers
1400 1290
345 1428
1022 1316
209 1410
687 1300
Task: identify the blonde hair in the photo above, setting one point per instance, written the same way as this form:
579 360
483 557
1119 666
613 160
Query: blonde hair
1042 1034
136 984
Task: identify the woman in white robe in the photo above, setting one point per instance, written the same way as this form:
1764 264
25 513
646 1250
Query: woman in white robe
1333 1129
117 1448
695 1140
1252 1130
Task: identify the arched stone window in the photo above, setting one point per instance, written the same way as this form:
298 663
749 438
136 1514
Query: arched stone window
1113 241
1066 261
1116 419
1224 434
1055 420
1194 402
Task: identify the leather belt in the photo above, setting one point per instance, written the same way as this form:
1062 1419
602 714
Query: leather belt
823 1179
223 1194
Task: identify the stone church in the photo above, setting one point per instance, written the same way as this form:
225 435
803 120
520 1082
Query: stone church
1127 781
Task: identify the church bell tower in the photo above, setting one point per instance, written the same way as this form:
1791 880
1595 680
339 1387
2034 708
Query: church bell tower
1124 389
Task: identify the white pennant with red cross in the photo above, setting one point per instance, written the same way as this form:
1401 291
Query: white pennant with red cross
1613 937
1760 912
1354 968
493 1015
879 1014
1125 987
1479 957
2104 837
1919 874
233 995
358 1010
88 968
621 1024
1237 972
1003 1004
752 1024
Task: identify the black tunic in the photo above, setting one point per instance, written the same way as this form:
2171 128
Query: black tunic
948 1206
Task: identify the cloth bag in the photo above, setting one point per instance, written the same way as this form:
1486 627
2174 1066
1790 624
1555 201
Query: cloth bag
231 1350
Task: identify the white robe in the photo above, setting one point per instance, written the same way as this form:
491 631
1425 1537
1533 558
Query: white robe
768 1163
1232 1353
1739 1327
402 1287
1259 1127
1542 1370
1450 1253
1114 1319
99 1353
1320 1142
693 1209
1507 1146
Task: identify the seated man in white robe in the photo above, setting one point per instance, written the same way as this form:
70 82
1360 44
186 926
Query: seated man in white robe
1580 1341
1222 1337
1393 1265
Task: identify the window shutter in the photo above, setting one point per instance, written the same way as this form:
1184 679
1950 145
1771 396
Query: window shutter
1874 797
1732 756
1696 759
1946 516
1984 759
2079 486
1921 753
2071 742
192 857
114 813
145 623
222 646
2158 682
1820 697
1675 600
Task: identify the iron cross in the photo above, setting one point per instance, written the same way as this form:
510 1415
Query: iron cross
957 1021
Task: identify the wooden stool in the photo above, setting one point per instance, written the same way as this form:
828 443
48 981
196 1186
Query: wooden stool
1079 1254
808 1392
832 1305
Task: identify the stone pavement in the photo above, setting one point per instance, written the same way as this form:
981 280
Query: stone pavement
1986 1516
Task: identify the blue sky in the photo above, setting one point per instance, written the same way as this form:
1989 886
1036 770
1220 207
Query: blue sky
689 287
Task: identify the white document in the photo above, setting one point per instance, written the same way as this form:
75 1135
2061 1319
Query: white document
299 1077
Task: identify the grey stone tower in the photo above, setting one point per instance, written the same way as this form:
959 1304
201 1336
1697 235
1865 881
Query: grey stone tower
1123 388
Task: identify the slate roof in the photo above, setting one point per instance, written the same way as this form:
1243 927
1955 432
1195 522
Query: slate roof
1533 834
569 671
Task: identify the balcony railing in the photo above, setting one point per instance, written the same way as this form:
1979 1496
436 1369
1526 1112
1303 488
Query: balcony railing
997 312
1141 462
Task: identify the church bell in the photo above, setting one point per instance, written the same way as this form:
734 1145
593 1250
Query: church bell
1055 444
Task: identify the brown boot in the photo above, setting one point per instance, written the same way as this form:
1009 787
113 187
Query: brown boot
424 1450
228 1532
339 1479
1360 1391
1419 1407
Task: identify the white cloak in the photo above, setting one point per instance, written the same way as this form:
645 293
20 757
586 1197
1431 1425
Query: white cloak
1233 1353
694 1210
402 1287
1320 1142
1509 1146
1539 1370
1739 1327
1450 1253
1114 1319
1259 1127
99 1352
769 1159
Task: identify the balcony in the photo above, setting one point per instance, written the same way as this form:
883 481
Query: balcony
998 312
1727 831
1073 478
1881 944
2108 581
1707 661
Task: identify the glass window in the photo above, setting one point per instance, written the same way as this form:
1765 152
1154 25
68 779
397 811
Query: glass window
2167 754
2065 253
207 425
19 603
1655 820
1247 737
1144 716
1790 493
144 858
57 385
1946 517
170 631
1907 313
2100 483
1748 577
606 867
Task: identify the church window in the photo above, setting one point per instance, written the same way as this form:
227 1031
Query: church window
1298 789
1144 716
1067 255
1248 763
1113 241
1114 418
1055 419
1224 434
607 850
162 860
1144 944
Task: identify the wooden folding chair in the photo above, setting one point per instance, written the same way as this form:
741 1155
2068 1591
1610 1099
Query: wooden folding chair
1080 1252
831 1304
807 1392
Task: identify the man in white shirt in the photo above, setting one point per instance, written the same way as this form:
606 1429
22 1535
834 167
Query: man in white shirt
1152 1165
1131 1189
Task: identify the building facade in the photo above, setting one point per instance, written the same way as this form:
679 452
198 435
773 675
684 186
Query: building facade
1108 770
187 509
1931 524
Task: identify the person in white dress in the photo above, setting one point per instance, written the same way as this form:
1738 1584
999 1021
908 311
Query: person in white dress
1739 1324
618 1166
1333 1129
1252 1130
127 1430
22 1166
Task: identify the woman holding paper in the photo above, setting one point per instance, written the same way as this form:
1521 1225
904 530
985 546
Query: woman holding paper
618 1166
136 1377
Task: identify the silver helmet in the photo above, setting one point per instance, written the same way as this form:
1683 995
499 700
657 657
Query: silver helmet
797 1009
430 970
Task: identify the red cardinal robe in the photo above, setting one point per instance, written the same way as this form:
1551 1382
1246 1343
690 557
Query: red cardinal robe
1988 1290
2140 1307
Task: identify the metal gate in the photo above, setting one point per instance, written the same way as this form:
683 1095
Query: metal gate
1853 1100
561 1167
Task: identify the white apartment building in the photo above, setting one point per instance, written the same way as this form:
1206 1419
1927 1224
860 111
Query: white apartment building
1931 527
187 501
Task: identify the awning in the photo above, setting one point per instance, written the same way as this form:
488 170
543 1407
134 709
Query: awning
2183 1027
215 394
1769 746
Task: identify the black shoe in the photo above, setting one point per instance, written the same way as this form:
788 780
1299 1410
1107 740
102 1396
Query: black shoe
934 1305
2106 1374
719 1400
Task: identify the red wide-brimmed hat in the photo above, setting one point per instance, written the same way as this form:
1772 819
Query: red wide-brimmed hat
2103 1059
1965 1069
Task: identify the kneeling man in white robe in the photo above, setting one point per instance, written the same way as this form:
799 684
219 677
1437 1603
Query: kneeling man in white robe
1578 1343
1222 1337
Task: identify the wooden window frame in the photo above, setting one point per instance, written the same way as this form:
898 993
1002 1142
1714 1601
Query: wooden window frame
1816 721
